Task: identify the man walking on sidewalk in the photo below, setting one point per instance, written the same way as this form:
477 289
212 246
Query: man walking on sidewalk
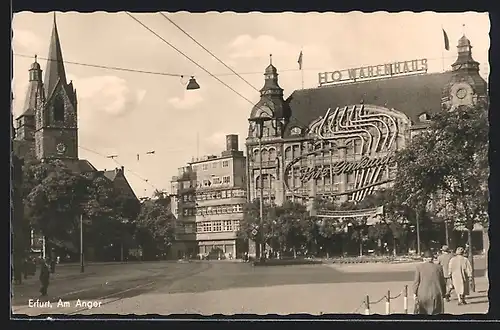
444 260
460 271
44 277
429 287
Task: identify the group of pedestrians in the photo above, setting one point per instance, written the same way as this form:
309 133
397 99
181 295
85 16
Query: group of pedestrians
434 281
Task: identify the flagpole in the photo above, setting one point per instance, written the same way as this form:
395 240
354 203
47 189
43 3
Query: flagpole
442 51
302 70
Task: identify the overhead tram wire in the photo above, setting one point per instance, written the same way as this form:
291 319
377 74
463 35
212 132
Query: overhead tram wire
118 163
208 51
201 67
187 57
170 74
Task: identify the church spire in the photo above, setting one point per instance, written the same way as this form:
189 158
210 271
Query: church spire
54 70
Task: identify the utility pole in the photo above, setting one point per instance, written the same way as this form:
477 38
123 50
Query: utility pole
417 218
82 266
261 197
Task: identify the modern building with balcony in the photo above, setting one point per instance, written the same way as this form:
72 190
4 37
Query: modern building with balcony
207 200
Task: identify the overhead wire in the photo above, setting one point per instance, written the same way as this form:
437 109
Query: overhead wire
118 163
179 75
186 56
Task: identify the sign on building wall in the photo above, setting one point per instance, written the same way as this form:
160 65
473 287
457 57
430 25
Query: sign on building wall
371 133
373 71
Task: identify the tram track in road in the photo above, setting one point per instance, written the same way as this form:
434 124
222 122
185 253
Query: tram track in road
161 281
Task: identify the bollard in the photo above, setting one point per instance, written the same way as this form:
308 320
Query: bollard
388 303
367 305
405 299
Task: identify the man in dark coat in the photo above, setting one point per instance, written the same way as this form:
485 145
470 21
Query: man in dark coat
44 277
429 287
444 260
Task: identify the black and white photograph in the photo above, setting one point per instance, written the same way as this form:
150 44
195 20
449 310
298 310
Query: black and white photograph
249 163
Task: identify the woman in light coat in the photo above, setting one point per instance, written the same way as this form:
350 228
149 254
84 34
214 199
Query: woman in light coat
460 271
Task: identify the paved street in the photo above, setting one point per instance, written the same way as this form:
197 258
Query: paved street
231 287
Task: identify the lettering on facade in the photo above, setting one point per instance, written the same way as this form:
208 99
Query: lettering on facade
374 71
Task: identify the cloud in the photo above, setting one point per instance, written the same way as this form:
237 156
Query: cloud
26 41
247 47
189 100
107 94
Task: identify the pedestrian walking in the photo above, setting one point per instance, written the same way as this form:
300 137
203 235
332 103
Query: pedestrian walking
444 260
460 271
429 287
44 277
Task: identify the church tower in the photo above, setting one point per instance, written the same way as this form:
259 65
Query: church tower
56 131
25 130
466 86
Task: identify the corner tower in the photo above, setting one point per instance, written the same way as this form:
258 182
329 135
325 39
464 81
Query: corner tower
466 86
271 104
56 131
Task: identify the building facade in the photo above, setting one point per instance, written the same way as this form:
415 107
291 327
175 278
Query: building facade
208 199
337 141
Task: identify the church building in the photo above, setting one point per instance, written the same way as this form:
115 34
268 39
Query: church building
47 129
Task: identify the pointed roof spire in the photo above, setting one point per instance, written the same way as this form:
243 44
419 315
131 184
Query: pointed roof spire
54 70
271 59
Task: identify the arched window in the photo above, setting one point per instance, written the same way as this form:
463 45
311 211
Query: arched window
58 109
256 157
272 154
288 153
265 155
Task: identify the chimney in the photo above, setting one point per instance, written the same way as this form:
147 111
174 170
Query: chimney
123 168
232 142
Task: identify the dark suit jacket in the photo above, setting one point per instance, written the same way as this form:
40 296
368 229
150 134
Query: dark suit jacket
430 287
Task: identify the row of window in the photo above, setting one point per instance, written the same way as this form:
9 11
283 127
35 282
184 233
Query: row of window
221 194
214 181
219 209
217 226
212 210
205 167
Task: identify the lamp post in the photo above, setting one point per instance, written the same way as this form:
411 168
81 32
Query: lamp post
259 123
82 266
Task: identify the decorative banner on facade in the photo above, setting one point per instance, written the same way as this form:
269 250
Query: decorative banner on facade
374 71
369 131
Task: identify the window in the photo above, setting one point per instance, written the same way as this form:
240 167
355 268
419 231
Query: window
59 109
216 180
227 225
236 225
199 227
207 226
195 168
185 198
217 227
288 153
226 179
214 165
204 167
225 163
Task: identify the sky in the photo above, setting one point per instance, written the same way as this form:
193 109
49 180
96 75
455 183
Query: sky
128 113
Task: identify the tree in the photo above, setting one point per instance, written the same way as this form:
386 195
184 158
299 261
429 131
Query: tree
56 198
155 226
449 158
